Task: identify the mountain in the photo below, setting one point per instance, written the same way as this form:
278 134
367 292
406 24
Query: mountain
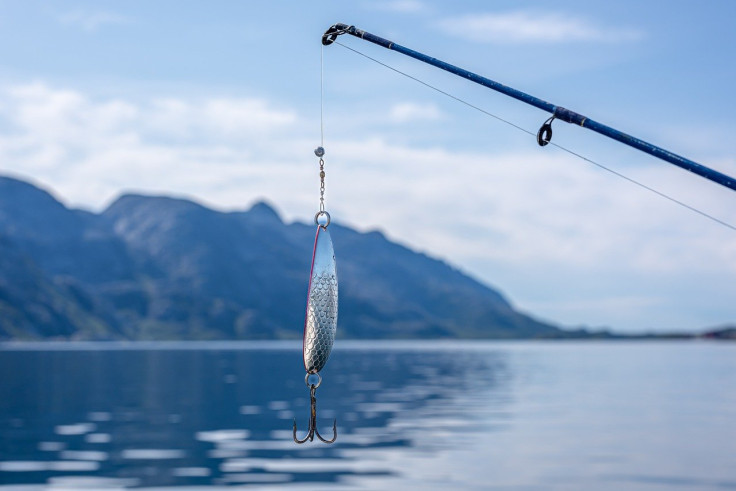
152 267
726 332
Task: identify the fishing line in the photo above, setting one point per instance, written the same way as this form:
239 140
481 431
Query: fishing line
320 323
534 134
321 96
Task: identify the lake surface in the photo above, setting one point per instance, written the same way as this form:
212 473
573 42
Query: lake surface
410 415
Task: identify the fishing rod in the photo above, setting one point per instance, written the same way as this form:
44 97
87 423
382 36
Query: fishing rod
544 135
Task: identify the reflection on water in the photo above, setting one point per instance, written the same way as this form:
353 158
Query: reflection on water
166 417
416 416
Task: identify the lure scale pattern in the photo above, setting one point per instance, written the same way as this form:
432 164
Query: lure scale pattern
321 321
320 324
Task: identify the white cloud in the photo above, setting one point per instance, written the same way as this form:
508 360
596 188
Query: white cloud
90 149
523 26
234 117
550 229
547 228
532 207
92 21
402 6
407 112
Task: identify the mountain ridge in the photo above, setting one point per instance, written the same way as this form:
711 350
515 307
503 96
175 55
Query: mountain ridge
161 267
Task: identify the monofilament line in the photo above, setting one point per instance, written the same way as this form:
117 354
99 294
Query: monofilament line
534 134
321 96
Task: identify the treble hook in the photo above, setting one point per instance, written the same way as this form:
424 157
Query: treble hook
313 421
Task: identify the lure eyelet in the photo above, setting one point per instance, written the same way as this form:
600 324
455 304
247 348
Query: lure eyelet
310 374
319 217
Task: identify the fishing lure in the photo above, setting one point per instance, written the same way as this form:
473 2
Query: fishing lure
320 323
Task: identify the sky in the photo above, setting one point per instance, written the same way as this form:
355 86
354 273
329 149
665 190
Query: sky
220 102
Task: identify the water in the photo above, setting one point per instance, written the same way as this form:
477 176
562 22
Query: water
411 415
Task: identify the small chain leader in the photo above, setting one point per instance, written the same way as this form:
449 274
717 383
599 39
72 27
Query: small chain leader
322 217
320 152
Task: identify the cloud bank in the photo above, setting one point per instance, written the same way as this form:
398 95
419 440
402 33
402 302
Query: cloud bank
398 6
564 239
528 27
407 112
92 21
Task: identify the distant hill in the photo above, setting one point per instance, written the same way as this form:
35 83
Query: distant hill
164 268
727 332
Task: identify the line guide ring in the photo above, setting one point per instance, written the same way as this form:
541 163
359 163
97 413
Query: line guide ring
544 135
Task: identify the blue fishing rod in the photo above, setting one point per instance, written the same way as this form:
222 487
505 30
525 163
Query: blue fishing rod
545 132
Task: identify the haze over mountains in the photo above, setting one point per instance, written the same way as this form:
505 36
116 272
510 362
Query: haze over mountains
164 268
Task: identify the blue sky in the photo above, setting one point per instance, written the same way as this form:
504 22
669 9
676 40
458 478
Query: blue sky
219 101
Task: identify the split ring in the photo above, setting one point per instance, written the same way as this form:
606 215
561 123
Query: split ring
318 215
319 379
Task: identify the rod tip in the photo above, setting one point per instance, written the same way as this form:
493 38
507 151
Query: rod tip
331 34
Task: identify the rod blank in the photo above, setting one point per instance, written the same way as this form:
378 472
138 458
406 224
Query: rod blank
557 111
